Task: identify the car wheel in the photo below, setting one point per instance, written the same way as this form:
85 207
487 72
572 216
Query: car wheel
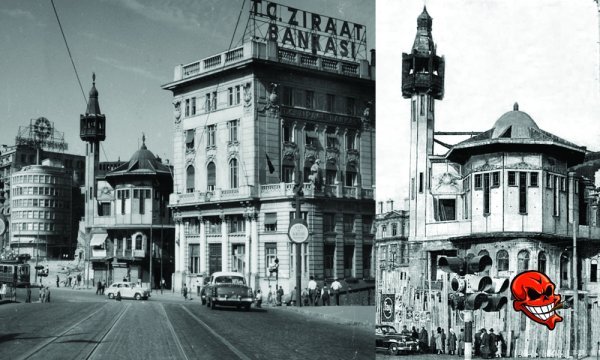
203 302
393 349
212 305
111 296
247 307
138 296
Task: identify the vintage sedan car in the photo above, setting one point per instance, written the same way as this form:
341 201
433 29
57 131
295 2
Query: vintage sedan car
228 289
128 290
388 339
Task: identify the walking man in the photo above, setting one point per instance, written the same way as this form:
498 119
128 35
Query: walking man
57 280
312 287
336 286
325 296
185 291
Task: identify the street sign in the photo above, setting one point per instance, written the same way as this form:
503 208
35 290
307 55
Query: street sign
298 231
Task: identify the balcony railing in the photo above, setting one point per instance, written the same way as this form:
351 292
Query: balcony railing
270 191
270 51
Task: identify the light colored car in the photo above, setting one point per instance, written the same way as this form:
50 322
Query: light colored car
128 290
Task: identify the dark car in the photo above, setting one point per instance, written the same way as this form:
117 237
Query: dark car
228 289
388 339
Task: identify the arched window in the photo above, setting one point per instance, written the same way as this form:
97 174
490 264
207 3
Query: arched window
483 252
542 262
523 261
138 242
233 174
594 270
211 176
502 260
189 183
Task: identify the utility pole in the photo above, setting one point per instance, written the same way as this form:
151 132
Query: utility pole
598 4
298 231
575 290
151 241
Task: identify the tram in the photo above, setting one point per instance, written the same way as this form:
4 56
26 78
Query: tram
15 273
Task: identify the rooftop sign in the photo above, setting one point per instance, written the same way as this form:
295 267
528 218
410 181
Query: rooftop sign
302 30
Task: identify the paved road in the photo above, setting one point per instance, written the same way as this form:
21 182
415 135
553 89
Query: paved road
81 325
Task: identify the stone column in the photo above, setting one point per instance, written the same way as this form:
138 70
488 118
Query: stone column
248 245
203 246
182 246
224 245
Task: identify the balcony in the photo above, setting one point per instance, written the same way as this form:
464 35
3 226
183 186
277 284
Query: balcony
270 51
423 81
270 191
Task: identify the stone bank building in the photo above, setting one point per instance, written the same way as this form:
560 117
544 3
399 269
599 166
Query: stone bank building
514 192
243 121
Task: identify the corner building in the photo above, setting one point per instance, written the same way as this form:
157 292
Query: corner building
243 120
516 193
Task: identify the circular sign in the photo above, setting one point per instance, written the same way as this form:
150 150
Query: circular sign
2 225
388 309
42 127
298 231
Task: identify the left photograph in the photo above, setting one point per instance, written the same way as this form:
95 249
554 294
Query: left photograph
187 181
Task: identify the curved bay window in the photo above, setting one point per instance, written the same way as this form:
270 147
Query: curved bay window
502 260
233 174
522 261
189 180
542 262
211 176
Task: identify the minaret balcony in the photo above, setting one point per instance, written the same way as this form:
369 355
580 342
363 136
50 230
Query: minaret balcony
422 82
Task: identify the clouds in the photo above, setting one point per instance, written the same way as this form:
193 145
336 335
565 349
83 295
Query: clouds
131 68
18 14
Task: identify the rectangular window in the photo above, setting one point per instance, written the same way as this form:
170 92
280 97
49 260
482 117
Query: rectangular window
413 110
270 256
512 178
142 202
214 258
330 177
104 209
348 260
486 193
348 223
287 97
556 196
328 222
522 192
330 102
446 211
310 99
288 133
233 130
495 179
138 242
187 107
288 174
211 136
230 96
351 178
420 183
194 251
237 225
394 229
127 244
329 260
533 179
350 106
270 222
351 141
214 100
478 182
549 181
193 106
238 94
594 271
422 105
207 103
563 183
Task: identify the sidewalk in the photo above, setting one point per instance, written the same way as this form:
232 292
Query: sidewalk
348 315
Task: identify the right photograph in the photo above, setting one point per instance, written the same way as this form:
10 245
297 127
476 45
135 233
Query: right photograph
487 233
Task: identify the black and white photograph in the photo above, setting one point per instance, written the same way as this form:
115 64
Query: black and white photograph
487 234
187 179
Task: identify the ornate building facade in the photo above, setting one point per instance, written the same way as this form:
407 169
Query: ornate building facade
514 193
243 121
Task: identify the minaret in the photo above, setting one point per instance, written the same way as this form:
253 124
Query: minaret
92 129
422 82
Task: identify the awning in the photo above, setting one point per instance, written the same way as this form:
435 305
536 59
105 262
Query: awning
189 136
98 239
270 218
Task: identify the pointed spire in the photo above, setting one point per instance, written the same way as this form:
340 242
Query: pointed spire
424 21
93 107
516 106
144 142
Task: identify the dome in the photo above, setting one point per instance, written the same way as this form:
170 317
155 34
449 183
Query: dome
514 124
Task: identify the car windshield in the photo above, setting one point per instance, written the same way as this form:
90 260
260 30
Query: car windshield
236 280
389 330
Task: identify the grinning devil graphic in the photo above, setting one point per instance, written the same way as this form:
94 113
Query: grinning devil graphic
533 294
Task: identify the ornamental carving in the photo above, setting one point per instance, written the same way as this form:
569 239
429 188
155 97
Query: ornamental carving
352 156
289 150
177 110
310 153
272 99
332 155
247 94
447 183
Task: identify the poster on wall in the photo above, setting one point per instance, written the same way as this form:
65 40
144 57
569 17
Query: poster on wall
387 307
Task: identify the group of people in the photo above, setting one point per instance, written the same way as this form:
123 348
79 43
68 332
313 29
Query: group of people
43 295
313 295
100 286
485 344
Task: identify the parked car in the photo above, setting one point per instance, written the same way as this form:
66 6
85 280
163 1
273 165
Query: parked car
228 289
128 290
388 339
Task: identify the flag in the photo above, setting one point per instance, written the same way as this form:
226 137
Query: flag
270 164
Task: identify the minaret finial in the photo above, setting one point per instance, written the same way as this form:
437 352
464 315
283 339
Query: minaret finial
516 106
94 78
143 139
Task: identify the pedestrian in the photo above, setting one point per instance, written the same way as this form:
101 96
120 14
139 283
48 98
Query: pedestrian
326 295
405 331
57 281
28 297
118 297
461 342
312 287
485 344
40 291
451 342
415 334
47 293
336 286
184 291
162 286
492 343
43 289
292 301
443 341
477 343
78 280
304 296
317 295
423 338
279 295
103 287
258 299
439 341
501 345
98 288
69 279
270 296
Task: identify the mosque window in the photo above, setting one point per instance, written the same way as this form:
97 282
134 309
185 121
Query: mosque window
477 181
486 193
523 261
533 179
542 262
512 178
502 260
522 192
495 179
594 270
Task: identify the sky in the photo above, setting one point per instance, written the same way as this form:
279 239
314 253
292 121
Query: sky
542 54
133 47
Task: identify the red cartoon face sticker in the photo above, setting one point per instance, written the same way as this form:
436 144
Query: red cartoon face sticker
533 294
